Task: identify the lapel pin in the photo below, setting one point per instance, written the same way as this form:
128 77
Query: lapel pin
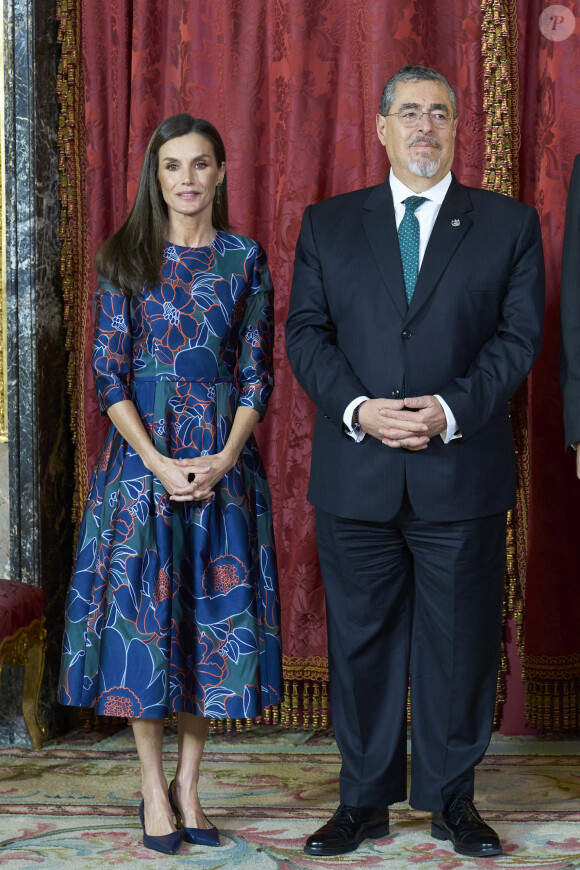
455 222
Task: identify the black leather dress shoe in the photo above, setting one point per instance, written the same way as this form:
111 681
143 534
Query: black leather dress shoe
346 830
462 824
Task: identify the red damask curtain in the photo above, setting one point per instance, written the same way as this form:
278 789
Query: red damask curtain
550 112
293 86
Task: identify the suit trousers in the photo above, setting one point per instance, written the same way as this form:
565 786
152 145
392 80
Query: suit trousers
411 597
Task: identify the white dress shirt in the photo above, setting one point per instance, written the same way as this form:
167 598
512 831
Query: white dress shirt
426 214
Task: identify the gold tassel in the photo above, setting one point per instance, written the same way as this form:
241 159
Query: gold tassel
295 704
324 701
547 707
557 707
286 705
566 706
306 705
87 719
316 707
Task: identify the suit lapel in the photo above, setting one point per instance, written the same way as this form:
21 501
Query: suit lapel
381 231
452 223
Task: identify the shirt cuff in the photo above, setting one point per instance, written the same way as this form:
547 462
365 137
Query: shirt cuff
452 431
347 419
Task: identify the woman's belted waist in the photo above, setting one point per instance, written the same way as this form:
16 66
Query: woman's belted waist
173 379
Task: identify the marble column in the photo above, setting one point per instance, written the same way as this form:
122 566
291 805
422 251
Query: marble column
40 449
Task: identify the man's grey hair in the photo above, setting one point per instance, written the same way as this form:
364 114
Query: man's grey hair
414 74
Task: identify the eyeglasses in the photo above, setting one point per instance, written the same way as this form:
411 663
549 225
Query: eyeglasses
412 117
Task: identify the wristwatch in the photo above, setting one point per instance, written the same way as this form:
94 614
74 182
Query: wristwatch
356 426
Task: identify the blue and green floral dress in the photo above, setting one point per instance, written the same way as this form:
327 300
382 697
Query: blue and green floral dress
173 607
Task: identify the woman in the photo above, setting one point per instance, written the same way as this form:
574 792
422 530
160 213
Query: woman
173 604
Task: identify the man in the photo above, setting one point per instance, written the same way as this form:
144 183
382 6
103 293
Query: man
570 316
416 311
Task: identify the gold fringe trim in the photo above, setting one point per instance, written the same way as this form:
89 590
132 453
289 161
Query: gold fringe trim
305 703
553 705
553 667
314 668
553 692
500 95
306 698
90 720
518 545
499 47
270 716
73 265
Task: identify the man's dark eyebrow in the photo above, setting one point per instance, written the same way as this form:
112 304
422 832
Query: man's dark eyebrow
433 107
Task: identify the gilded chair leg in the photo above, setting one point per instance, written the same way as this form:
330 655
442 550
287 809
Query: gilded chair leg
31 688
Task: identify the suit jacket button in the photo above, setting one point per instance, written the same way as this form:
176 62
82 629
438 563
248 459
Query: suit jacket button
406 333
396 394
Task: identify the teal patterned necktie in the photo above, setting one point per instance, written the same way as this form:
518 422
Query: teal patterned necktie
409 243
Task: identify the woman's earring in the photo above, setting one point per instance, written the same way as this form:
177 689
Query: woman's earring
218 193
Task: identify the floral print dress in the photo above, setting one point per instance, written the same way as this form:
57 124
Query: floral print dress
173 607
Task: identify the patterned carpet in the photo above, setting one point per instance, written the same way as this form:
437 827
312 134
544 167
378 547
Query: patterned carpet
74 805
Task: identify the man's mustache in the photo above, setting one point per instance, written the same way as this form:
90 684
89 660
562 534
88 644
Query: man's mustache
428 140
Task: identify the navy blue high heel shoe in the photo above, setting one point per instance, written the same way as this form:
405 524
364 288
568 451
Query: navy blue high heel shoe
168 843
197 836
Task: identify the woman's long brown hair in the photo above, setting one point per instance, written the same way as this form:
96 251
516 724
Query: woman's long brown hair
131 258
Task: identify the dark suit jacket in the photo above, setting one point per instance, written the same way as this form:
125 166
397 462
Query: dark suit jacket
570 311
471 334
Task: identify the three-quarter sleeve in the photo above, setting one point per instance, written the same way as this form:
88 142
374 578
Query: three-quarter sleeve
255 363
112 348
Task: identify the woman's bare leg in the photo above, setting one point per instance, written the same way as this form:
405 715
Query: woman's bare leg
149 739
191 733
